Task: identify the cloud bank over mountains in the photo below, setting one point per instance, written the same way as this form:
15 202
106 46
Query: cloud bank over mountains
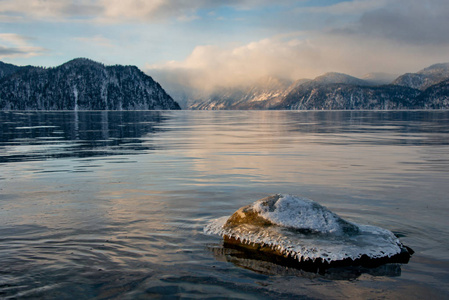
207 44
393 36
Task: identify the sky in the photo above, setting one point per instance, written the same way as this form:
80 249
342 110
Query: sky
211 43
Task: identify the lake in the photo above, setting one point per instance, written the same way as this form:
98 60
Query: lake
112 205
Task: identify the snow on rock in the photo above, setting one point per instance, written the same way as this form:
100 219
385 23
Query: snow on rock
304 230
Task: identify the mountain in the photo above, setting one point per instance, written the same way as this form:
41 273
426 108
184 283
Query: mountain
426 89
424 78
329 91
80 84
256 96
333 77
435 96
310 96
7 69
267 92
379 78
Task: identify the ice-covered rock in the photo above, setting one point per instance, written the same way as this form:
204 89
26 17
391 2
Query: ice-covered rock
301 229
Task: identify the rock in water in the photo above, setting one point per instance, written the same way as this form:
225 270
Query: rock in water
300 229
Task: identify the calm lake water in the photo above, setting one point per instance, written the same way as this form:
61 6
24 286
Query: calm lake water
112 205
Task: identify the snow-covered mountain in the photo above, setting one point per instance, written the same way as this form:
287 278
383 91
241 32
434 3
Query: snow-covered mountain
81 84
259 95
340 91
310 96
379 78
425 78
425 89
333 77
435 96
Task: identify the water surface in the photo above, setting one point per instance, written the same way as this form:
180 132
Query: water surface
112 204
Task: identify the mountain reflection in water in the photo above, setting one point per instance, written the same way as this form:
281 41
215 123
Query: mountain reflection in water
36 136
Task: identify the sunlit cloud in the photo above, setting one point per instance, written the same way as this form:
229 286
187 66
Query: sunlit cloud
296 57
393 36
208 67
209 48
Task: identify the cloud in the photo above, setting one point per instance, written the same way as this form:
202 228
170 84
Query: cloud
347 7
393 36
14 39
113 11
409 21
48 10
15 45
96 40
353 37
153 11
293 57
8 52
209 67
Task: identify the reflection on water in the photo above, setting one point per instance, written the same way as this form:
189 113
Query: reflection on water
270 266
31 136
112 204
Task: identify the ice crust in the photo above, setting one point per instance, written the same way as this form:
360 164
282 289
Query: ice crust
302 214
305 230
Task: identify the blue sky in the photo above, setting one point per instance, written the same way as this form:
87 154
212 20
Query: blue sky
222 42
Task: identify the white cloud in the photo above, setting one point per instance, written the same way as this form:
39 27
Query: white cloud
14 45
208 67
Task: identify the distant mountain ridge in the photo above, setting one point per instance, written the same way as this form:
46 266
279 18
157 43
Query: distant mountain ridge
80 84
346 96
334 77
267 89
425 78
378 78
426 89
